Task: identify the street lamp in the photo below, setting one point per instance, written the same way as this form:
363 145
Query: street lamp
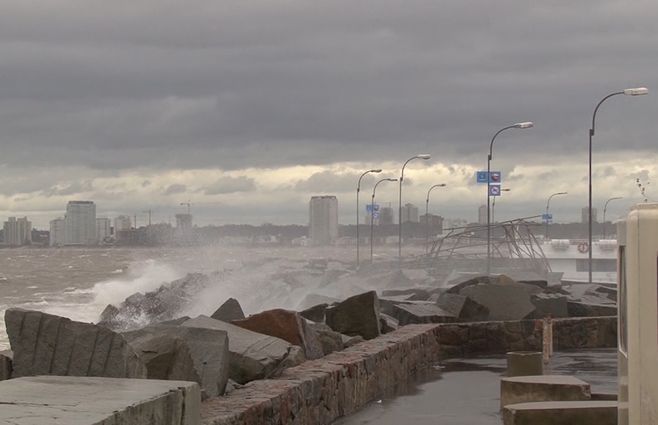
493 205
548 203
639 91
522 125
358 189
419 156
605 208
372 210
427 215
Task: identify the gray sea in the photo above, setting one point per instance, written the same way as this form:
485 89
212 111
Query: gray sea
79 282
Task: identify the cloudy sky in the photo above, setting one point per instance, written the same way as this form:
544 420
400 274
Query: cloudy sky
247 108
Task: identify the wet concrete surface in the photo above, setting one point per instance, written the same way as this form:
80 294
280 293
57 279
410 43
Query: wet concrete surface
467 391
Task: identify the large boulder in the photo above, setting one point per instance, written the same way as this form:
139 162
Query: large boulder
550 304
407 314
462 307
357 315
505 301
5 364
331 341
179 353
287 325
230 310
45 344
252 355
315 313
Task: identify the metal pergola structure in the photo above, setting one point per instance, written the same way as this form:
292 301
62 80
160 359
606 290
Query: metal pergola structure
512 241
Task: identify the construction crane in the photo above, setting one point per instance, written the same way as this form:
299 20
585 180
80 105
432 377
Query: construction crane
188 206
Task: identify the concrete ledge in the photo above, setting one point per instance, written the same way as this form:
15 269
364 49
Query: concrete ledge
524 389
561 413
66 400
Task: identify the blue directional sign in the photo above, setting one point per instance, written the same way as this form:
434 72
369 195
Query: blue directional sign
494 190
547 218
372 207
495 177
481 176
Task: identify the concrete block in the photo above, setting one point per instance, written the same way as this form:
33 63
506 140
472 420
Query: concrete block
561 413
66 400
526 389
525 363
357 315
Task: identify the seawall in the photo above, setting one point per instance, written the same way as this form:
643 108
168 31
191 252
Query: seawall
320 391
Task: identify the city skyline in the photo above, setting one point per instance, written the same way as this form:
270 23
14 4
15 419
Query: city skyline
248 114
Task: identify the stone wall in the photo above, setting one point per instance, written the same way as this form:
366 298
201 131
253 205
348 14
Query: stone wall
318 392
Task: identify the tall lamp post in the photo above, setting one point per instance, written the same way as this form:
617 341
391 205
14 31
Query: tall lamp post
493 205
427 216
358 189
639 91
548 203
527 124
372 211
605 208
419 156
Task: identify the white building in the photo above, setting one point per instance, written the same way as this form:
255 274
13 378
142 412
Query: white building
482 214
122 223
409 213
103 229
57 232
323 220
17 231
80 223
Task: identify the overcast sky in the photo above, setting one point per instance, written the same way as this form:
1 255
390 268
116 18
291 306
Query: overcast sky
247 108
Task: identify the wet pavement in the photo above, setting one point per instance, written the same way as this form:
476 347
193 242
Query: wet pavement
466 391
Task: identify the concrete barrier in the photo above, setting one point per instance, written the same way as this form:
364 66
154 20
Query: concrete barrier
526 389
318 392
67 400
561 413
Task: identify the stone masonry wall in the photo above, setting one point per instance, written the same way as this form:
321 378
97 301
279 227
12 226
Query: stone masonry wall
318 392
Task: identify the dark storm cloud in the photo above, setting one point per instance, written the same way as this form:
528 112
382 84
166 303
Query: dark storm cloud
228 184
175 188
165 84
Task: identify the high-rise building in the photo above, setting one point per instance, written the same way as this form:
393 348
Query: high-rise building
584 215
184 227
103 229
323 220
409 213
80 223
386 216
122 223
17 231
57 232
482 214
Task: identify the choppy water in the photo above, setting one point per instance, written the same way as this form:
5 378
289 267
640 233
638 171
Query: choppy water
79 282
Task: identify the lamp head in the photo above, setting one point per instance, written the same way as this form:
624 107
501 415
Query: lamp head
526 124
637 91
378 170
392 180
442 185
424 156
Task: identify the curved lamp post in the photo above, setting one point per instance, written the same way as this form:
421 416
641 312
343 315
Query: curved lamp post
427 216
548 203
605 208
419 156
522 125
372 210
493 205
358 189
639 91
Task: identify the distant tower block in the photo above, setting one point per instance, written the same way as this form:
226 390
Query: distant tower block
323 220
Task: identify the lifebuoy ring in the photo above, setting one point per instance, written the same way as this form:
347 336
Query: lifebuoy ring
583 247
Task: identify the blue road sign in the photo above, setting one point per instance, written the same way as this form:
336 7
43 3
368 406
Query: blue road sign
494 190
371 207
547 216
495 177
481 176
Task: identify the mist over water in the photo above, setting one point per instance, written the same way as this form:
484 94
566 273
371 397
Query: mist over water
79 283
